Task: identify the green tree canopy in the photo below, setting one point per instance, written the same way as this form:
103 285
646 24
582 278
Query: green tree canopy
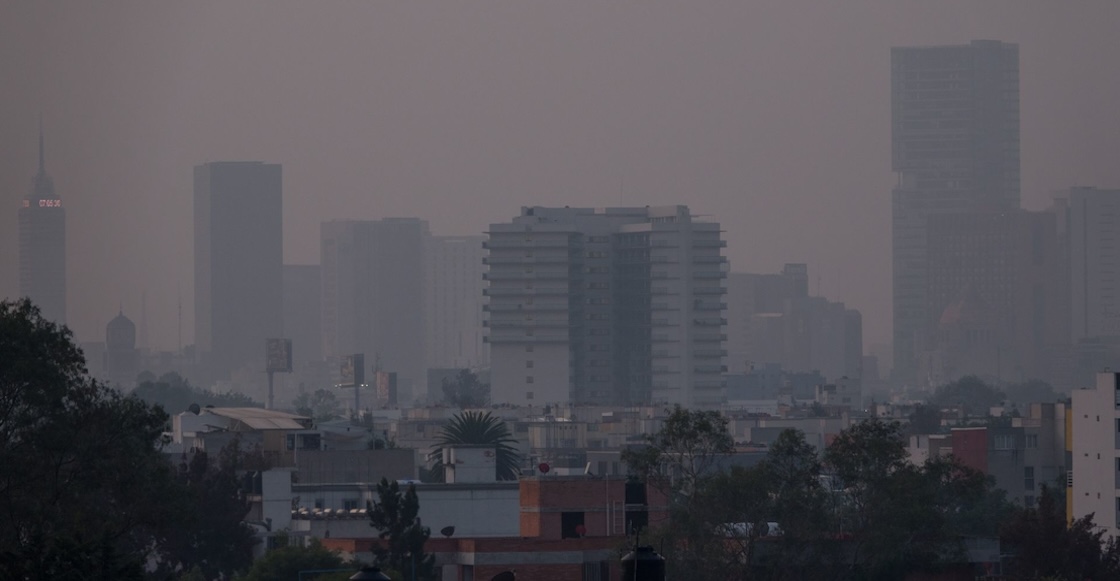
321 406
971 393
287 562
394 515
466 390
683 452
175 394
92 492
1045 547
477 429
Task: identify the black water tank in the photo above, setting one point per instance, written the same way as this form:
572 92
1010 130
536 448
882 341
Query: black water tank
643 564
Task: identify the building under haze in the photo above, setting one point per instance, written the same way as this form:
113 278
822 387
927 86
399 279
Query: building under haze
454 302
606 306
42 245
303 313
373 295
238 264
955 149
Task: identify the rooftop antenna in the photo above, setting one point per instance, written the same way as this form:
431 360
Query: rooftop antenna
42 150
144 320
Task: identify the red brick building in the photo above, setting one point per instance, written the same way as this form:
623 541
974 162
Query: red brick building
572 528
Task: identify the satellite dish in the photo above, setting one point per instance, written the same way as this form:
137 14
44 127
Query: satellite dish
504 576
194 409
447 531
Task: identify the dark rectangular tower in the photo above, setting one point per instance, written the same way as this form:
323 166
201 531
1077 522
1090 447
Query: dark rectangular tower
955 149
238 262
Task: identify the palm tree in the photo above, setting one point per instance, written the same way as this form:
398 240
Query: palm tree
477 429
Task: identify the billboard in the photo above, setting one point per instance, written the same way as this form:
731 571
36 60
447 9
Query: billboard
352 371
386 384
278 355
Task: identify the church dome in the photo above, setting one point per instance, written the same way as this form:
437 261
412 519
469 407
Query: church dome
120 333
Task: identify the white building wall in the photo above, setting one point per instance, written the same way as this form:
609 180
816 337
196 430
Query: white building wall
1096 458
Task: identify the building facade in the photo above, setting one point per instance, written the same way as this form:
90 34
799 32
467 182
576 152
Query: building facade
954 148
606 306
238 263
373 296
453 287
1095 482
42 245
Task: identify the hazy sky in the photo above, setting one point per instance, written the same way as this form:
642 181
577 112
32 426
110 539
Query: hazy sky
771 116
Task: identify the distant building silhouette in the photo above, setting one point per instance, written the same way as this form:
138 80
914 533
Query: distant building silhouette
454 302
238 260
42 244
373 295
955 148
120 366
606 306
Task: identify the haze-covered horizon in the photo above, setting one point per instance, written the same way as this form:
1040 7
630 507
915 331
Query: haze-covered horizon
771 117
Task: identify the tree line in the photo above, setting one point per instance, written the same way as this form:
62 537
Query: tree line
859 510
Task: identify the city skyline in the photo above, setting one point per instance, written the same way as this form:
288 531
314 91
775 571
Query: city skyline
771 175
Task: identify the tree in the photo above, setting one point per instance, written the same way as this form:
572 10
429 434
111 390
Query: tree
395 517
321 406
88 491
477 429
1033 391
683 452
209 532
286 563
175 394
969 392
1044 547
899 517
92 492
465 390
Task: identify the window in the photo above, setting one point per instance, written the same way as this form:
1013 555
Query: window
349 504
1032 441
320 503
528 395
1028 501
529 364
1028 478
1004 442
571 525
528 348
528 379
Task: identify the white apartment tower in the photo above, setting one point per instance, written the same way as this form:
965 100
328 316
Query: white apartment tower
615 306
454 302
1095 481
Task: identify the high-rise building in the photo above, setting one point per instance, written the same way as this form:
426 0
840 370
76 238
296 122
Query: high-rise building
773 321
1094 234
238 263
373 296
955 148
303 313
996 295
454 302
606 306
42 245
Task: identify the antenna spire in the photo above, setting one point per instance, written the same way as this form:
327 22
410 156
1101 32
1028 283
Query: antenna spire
42 150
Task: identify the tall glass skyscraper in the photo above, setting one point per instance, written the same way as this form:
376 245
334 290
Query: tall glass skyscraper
238 263
955 149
